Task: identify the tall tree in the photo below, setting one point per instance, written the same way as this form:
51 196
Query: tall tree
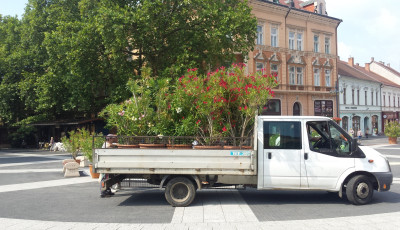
172 35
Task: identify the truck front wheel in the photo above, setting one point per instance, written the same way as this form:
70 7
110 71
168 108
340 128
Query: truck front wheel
180 192
359 190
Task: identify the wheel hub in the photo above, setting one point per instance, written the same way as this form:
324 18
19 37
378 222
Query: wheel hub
362 190
180 191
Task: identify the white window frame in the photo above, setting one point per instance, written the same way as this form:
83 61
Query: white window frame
292 74
260 35
316 43
292 36
327 44
300 76
317 78
275 70
299 41
274 36
328 77
258 65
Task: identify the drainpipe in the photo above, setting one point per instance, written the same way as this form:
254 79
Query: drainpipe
336 60
287 100
380 96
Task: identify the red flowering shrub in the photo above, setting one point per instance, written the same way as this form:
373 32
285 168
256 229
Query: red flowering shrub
227 100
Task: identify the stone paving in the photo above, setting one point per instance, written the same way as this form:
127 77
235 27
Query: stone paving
227 210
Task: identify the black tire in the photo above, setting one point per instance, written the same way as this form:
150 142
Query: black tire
180 192
359 190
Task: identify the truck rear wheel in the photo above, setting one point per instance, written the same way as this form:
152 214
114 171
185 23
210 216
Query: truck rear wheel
359 190
180 192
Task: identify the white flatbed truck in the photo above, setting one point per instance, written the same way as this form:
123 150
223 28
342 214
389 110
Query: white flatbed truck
287 153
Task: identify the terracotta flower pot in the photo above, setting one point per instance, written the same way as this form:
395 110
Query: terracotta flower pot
392 140
208 147
128 146
94 175
152 146
179 146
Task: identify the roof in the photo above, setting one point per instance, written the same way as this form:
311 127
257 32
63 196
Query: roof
387 68
361 73
298 7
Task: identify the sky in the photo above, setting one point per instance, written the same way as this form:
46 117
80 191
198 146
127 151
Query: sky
370 28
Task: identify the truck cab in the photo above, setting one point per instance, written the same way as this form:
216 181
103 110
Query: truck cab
315 153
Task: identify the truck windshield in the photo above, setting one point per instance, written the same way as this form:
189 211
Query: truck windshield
327 138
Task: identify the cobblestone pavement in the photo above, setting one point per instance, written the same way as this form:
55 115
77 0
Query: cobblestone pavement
34 195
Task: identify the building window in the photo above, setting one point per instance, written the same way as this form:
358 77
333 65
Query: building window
327 45
259 66
366 99
316 43
323 108
274 36
297 109
398 102
291 40
299 75
292 75
389 101
273 107
327 77
345 123
316 77
300 41
260 35
372 98
352 96
376 100
274 71
356 124
358 97
344 96
384 102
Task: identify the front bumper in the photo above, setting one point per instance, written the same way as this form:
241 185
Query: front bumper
384 179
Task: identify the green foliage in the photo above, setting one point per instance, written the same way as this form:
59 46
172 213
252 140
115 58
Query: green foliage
392 129
24 133
72 58
221 103
81 140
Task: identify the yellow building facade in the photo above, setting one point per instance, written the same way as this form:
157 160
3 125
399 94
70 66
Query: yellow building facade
300 47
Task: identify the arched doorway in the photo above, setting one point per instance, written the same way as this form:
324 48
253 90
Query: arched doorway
345 123
366 124
297 109
374 125
356 123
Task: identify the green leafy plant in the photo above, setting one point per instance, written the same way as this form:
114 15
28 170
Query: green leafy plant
392 129
81 140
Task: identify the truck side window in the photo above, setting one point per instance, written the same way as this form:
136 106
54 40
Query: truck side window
282 135
328 138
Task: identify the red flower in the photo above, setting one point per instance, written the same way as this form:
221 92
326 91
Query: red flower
224 129
198 121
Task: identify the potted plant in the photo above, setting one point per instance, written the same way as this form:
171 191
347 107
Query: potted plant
86 144
71 143
392 131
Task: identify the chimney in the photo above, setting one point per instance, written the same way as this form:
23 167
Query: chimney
388 64
357 64
367 67
351 61
372 59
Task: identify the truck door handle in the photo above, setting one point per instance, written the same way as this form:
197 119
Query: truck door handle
305 156
269 155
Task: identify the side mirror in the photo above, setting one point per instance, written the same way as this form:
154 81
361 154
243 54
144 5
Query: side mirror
353 146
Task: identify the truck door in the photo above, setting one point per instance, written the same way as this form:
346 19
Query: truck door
281 154
328 155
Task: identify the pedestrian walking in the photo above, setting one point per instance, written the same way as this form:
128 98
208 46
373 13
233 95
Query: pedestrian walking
366 133
351 132
359 135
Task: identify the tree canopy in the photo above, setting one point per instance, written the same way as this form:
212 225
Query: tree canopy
67 59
